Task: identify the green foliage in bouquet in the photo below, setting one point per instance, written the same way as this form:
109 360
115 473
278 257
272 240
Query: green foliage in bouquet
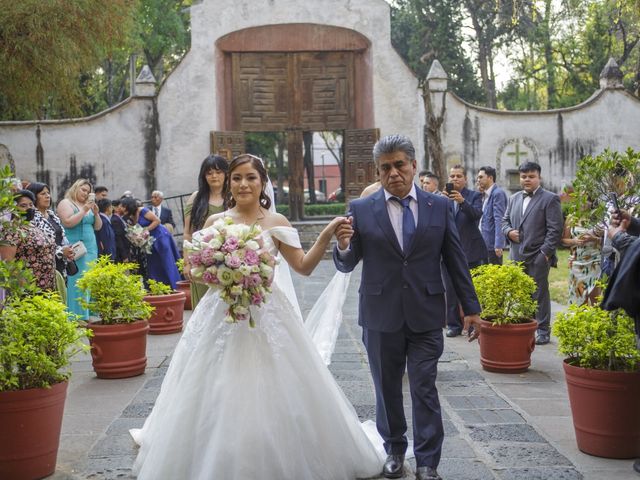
37 341
159 288
116 294
591 337
504 292
596 178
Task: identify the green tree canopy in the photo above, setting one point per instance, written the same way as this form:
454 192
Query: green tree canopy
47 44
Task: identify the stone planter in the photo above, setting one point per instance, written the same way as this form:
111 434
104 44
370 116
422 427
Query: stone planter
120 350
168 314
605 411
507 348
30 423
185 286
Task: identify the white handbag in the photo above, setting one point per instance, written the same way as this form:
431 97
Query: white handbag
79 250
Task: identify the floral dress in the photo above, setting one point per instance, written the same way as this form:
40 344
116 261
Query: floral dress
585 269
38 252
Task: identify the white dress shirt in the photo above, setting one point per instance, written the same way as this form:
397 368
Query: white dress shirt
527 199
395 210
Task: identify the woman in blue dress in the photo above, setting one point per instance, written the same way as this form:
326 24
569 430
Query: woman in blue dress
161 262
79 216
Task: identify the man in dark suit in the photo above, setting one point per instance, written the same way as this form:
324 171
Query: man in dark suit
401 233
123 246
162 211
494 204
467 210
533 224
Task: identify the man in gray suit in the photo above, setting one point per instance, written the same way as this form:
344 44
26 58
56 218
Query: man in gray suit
533 224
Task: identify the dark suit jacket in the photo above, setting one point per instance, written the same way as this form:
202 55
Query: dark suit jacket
406 288
166 216
491 224
540 227
622 289
123 247
467 218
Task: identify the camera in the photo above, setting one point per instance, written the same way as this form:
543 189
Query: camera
448 187
92 197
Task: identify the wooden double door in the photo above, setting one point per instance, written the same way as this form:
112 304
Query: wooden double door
296 92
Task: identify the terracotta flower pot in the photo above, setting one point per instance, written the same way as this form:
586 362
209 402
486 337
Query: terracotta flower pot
169 312
30 431
185 286
119 351
507 348
605 411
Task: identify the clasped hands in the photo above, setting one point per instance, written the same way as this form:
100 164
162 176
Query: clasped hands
620 221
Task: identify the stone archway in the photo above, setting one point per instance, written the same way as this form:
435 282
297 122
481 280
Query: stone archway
295 78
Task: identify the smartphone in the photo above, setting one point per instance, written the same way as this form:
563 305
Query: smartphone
448 187
92 197
614 200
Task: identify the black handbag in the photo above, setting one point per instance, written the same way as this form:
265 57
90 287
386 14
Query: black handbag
71 267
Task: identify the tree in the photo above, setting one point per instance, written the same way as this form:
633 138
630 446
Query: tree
423 31
47 45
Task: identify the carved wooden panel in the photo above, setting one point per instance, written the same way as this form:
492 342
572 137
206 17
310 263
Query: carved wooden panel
360 169
262 91
308 90
227 144
325 83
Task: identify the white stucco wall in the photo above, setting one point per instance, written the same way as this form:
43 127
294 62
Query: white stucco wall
556 139
187 102
110 144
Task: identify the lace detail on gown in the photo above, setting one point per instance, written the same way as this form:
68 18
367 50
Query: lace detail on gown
240 402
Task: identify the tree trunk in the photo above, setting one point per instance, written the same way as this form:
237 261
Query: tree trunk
307 139
548 58
434 121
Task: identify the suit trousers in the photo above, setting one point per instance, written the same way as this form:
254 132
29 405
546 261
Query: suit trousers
454 313
538 269
389 354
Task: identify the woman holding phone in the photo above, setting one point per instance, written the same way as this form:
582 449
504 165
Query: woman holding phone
78 213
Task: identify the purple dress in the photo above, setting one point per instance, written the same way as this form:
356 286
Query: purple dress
161 262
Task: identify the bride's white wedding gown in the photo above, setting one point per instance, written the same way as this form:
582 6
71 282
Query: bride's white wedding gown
241 403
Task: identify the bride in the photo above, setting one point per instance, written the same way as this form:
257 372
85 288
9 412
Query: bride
241 403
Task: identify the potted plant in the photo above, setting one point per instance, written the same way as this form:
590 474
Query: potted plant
507 331
184 286
119 342
602 370
37 341
169 308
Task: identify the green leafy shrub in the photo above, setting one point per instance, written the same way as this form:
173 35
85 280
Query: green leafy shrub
591 337
116 294
180 264
328 209
37 341
159 288
596 178
504 292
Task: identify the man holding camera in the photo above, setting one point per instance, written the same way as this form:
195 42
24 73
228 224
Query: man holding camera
467 210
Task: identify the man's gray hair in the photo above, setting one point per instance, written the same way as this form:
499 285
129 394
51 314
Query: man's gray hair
394 143
157 193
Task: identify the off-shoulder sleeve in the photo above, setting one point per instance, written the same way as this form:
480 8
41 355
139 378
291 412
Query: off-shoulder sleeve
288 235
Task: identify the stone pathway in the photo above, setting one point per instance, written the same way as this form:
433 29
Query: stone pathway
486 436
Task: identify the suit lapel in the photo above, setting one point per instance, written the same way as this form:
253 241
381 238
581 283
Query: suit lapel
381 214
532 203
425 204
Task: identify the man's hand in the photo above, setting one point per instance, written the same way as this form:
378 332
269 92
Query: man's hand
620 216
344 233
456 196
498 252
514 236
472 321
622 227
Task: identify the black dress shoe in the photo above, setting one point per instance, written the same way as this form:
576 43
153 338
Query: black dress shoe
542 338
452 332
393 466
636 466
427 473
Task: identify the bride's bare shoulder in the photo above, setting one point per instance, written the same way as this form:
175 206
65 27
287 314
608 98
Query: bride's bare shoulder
273 219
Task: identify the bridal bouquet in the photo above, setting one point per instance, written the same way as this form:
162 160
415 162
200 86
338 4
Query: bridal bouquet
139 237
230 257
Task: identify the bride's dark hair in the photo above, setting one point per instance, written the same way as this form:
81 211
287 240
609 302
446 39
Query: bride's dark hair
258 165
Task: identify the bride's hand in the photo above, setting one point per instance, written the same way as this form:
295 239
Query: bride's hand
344 232
336 222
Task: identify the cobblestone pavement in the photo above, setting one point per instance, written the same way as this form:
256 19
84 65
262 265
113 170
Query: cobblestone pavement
487 434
